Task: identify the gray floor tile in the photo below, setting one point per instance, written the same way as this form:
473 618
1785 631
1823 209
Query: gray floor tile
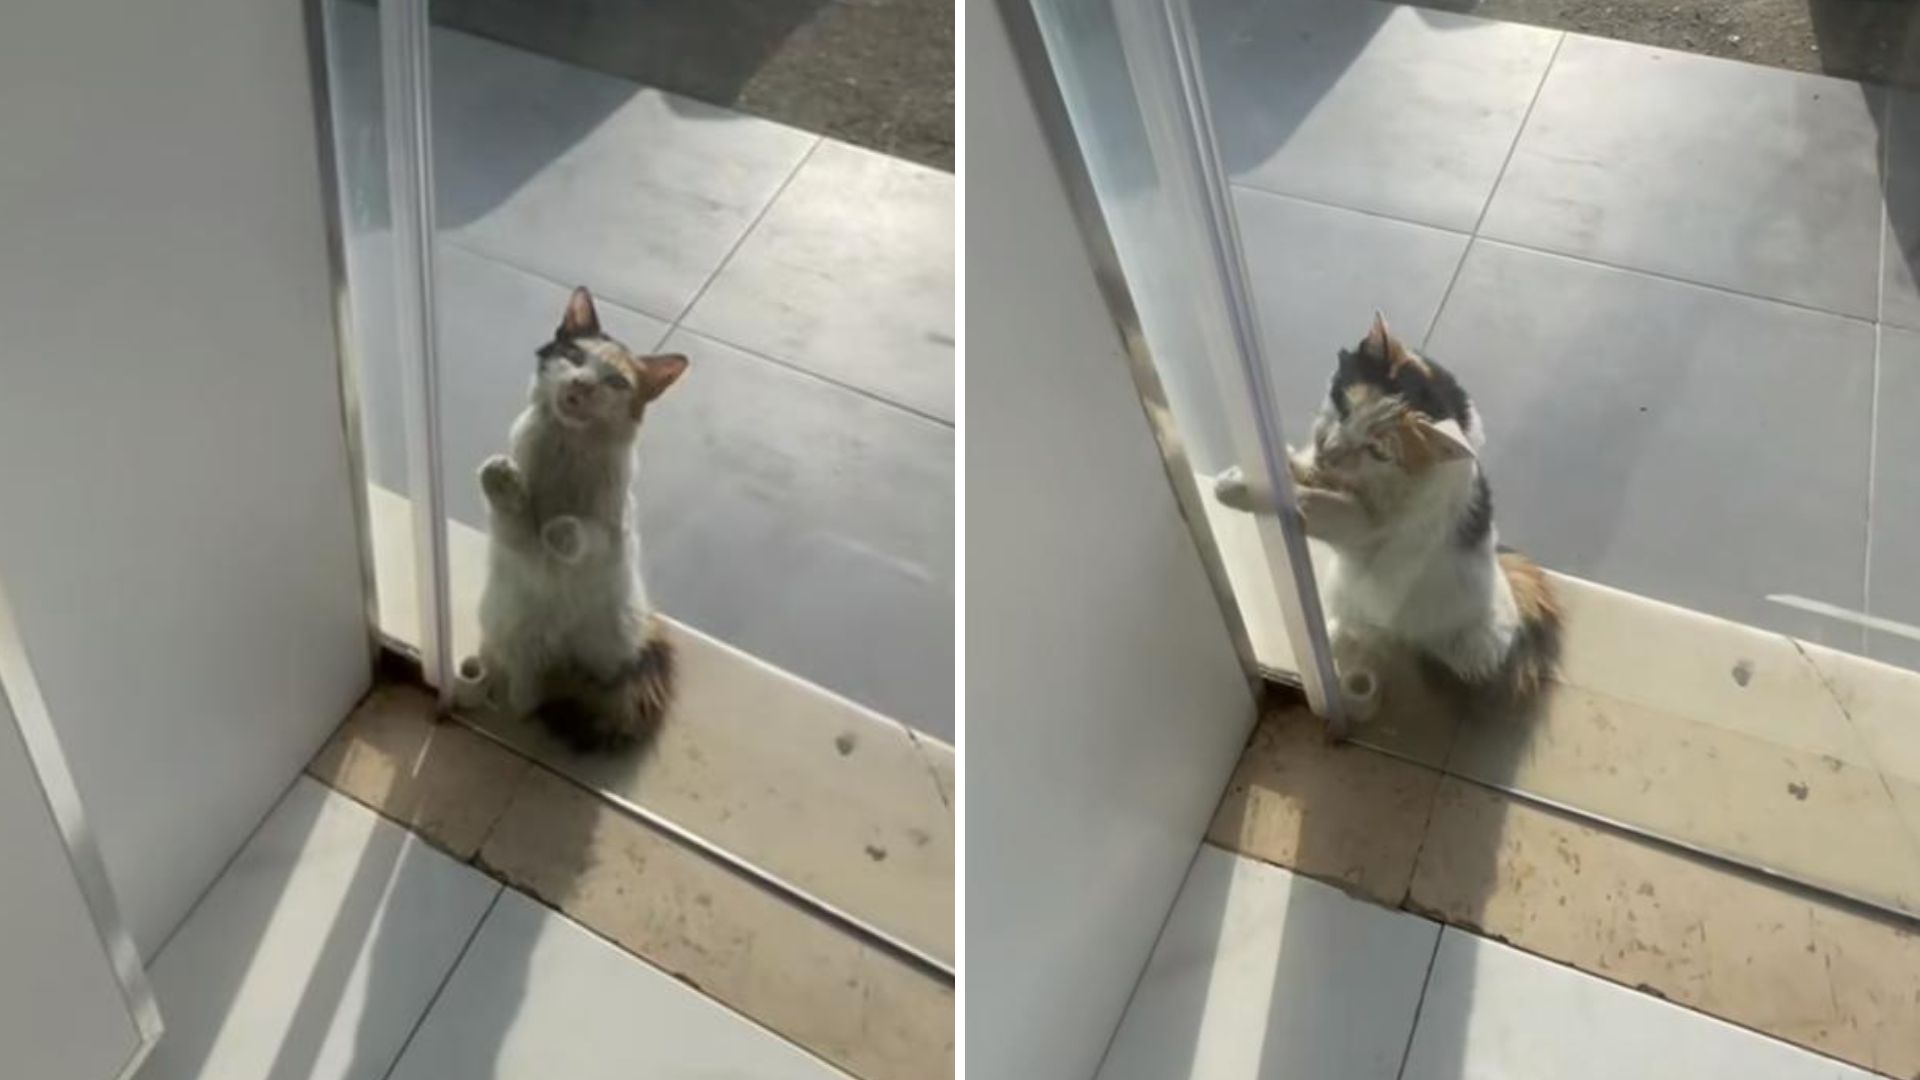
1896 498
803 522
782 470
582 177
1900 297
1751 178
1398 110
849 274
1678 442
809 525
1319 273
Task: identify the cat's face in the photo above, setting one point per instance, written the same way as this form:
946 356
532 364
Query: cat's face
1390 416
588 381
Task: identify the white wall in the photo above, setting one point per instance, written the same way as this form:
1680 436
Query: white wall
1105 706
175 522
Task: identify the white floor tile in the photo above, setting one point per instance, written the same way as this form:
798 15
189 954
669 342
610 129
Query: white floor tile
317 950
1260 973
539 998
1494 1011
850 275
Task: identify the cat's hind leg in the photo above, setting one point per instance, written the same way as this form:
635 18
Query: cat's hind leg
1476 655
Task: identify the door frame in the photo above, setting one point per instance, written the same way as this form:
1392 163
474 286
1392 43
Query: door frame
1160 45
21 691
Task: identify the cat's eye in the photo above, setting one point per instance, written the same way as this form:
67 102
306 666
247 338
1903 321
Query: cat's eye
620 383
1375 452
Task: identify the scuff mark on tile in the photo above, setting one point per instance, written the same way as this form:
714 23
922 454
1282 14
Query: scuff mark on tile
933 771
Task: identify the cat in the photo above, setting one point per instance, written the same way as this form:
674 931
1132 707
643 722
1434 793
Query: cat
567 634
1392 484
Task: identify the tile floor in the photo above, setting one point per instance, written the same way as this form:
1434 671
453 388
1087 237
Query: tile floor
339 946
1660 274
803 783
1264 973
1791 964
796 489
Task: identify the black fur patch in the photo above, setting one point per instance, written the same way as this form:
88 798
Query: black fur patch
563 347
1477 522
1433 392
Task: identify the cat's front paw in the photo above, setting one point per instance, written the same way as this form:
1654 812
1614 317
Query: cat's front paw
1230 487
565 537
1302 467
501 481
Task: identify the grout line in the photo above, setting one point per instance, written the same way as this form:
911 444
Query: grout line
1426 982
674 327
1381 215
1160 931
468 248
1694 852
772 883
658 967
227 864
420 1021
1648 990
741 241
829 380
1661 275
278 800
1513 146
1879 347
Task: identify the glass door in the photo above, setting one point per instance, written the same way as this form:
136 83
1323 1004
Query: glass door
656 350
1151 205
1615 308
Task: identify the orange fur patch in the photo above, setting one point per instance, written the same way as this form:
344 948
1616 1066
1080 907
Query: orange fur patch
1539 610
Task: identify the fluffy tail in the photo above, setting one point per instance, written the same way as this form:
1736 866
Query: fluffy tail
1535 654
594 713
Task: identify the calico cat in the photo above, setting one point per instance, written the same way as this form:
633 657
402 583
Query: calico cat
1392 484
566 630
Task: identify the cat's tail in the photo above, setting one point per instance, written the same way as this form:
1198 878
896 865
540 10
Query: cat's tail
594 714
653 682
1535 653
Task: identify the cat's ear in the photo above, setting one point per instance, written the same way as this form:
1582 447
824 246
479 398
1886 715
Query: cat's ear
656 373
1381 342
580 320
1426 443
1379 339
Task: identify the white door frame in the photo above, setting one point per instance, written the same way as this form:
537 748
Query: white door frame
20 692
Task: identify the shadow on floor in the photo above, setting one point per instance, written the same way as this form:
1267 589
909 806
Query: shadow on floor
1353 819
448 798
875 74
